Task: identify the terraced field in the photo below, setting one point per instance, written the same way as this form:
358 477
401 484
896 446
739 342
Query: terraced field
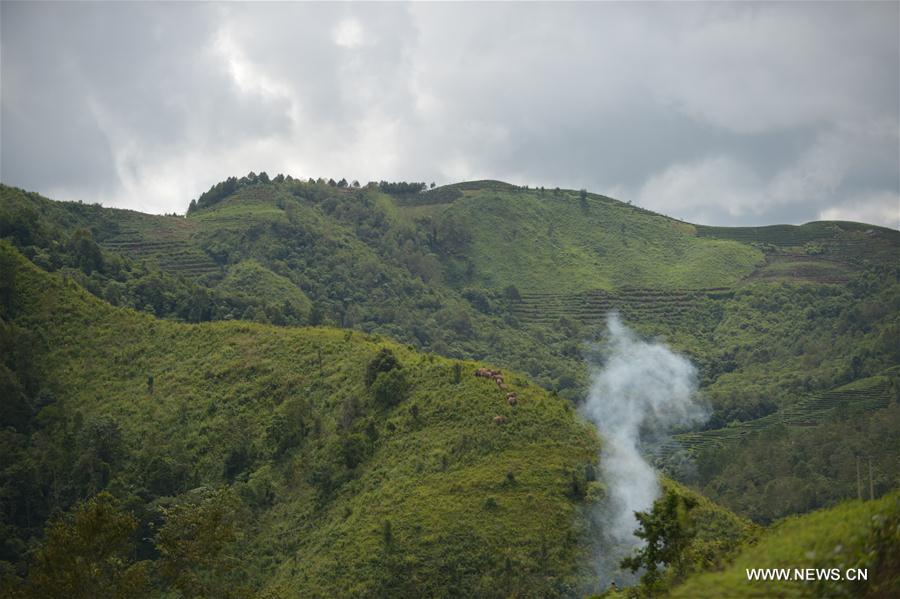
799 267
837 240
167 241
860 396
777 235
840 249
592 307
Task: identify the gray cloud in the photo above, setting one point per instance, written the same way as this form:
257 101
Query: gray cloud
718 113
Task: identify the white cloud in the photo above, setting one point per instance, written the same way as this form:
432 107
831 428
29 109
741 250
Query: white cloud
723 190
755 67
881 208
249 77
711 185
348 33
719 113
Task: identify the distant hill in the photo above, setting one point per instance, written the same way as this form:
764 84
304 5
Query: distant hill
776 318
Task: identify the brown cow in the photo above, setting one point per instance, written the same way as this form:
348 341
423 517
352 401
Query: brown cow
499 419
511 400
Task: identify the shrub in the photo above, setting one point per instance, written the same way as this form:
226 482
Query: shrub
390 388
511 292
353 450
384 361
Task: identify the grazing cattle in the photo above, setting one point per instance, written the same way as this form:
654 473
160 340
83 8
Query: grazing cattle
511 399
499 419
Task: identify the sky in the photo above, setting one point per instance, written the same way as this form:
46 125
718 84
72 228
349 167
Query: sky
720 113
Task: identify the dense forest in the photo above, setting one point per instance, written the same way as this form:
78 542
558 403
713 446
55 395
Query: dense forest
285 374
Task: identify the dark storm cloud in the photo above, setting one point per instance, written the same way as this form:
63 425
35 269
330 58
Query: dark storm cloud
722 113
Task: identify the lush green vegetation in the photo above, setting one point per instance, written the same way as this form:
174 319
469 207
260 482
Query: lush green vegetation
795 330
855 534
780 470
343 493
559 242
852 550
773 316
683 534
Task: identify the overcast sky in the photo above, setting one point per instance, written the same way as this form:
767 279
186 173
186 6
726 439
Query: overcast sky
715 113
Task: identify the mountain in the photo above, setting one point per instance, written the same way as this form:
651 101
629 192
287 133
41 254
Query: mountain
339 463
795 329
284 418
285 374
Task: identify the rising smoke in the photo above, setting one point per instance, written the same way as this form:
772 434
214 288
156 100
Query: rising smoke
641 390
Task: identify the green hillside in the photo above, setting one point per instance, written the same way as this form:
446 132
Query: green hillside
854 535
774 317
558 242
251 279
150 409
329 468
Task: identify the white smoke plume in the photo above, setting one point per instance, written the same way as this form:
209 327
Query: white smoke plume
642 390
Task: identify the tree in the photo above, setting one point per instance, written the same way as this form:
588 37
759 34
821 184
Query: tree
8 267
86 251
383 361
401 187
196 544
450 237
667 530
390 388
89 554
387 534
856 365
354 449
100 449
511 292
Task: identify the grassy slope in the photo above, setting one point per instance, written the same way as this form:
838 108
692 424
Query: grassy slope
554 242
250 278
841 537
218 385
